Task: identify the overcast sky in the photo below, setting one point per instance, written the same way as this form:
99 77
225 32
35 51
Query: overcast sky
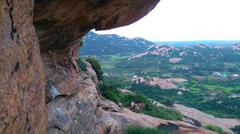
174 20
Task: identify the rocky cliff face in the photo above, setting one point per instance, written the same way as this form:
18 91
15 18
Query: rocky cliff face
86 112
59 24
33 63
22 82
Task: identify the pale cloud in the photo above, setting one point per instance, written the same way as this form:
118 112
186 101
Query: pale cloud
187 20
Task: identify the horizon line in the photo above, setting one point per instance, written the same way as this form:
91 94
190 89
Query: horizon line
190 40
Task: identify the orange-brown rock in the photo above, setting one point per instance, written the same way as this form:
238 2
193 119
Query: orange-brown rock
22 105
88 113
59 24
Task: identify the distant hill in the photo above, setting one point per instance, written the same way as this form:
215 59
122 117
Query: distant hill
110 44
197 42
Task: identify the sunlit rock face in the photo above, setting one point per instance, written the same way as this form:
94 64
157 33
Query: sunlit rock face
61 22
59 25
87 112
22 104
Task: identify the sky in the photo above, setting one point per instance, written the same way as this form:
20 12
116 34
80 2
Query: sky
182 20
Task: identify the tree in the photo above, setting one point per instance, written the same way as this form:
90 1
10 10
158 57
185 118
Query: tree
96 67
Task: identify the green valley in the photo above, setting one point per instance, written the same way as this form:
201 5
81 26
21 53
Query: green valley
200 76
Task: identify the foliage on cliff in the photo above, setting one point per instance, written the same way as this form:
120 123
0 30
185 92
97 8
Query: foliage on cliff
96 67
142 130
236 129
216 129
81 64
112 93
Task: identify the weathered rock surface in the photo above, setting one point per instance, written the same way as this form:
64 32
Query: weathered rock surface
22 105
59 24
207 119
91 73
88 113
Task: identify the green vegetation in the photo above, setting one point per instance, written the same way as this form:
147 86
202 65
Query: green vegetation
168 102
142 130
110 92
163 113
82 65
212 74
203 100
236 129
108 89
81 43
100 45
96 67
211 85
216 129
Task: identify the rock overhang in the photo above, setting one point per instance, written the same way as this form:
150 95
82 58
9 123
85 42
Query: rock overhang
60 23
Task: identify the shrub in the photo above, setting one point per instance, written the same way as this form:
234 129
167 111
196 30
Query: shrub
96 67
163 113
142 130
236 129
168 102
214 129
110 92
81 43
81 64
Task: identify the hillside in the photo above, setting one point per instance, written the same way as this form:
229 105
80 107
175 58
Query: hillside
204 77
100 45
206 42
212 75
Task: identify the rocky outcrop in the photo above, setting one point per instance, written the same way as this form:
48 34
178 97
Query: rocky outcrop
22 105
86 112
206 119
73 102
59 25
